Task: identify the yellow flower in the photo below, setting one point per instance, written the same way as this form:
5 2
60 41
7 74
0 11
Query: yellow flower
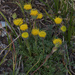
63 28
35 31
34 12
57 41
39 16
27 6
25 35
24 27
18 21
42 34
58 20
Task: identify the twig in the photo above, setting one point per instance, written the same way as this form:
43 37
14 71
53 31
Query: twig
32 67
11 39
10 44
47 57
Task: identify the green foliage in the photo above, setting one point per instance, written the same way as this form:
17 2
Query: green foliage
50 67
14 15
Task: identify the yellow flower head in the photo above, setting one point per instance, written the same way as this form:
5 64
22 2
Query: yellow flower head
42 34
27 6
63 28
34 12
18 21
39 16
35 31
58 20
57 41
25 35
24 27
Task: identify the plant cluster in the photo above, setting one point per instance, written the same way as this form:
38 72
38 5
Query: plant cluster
42 51
35 31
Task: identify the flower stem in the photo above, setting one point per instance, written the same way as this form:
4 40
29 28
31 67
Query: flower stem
29 22
36 43
28 46
43 45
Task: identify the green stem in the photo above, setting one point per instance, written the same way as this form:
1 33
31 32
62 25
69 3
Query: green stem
28 46
14 62
5 57
48 15
43 45
36 43
32 67
29 22
35 23
13 66
20 5
20 39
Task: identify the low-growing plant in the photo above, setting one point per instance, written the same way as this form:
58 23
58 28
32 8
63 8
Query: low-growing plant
43 49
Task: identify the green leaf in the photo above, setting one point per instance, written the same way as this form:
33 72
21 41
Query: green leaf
14 15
